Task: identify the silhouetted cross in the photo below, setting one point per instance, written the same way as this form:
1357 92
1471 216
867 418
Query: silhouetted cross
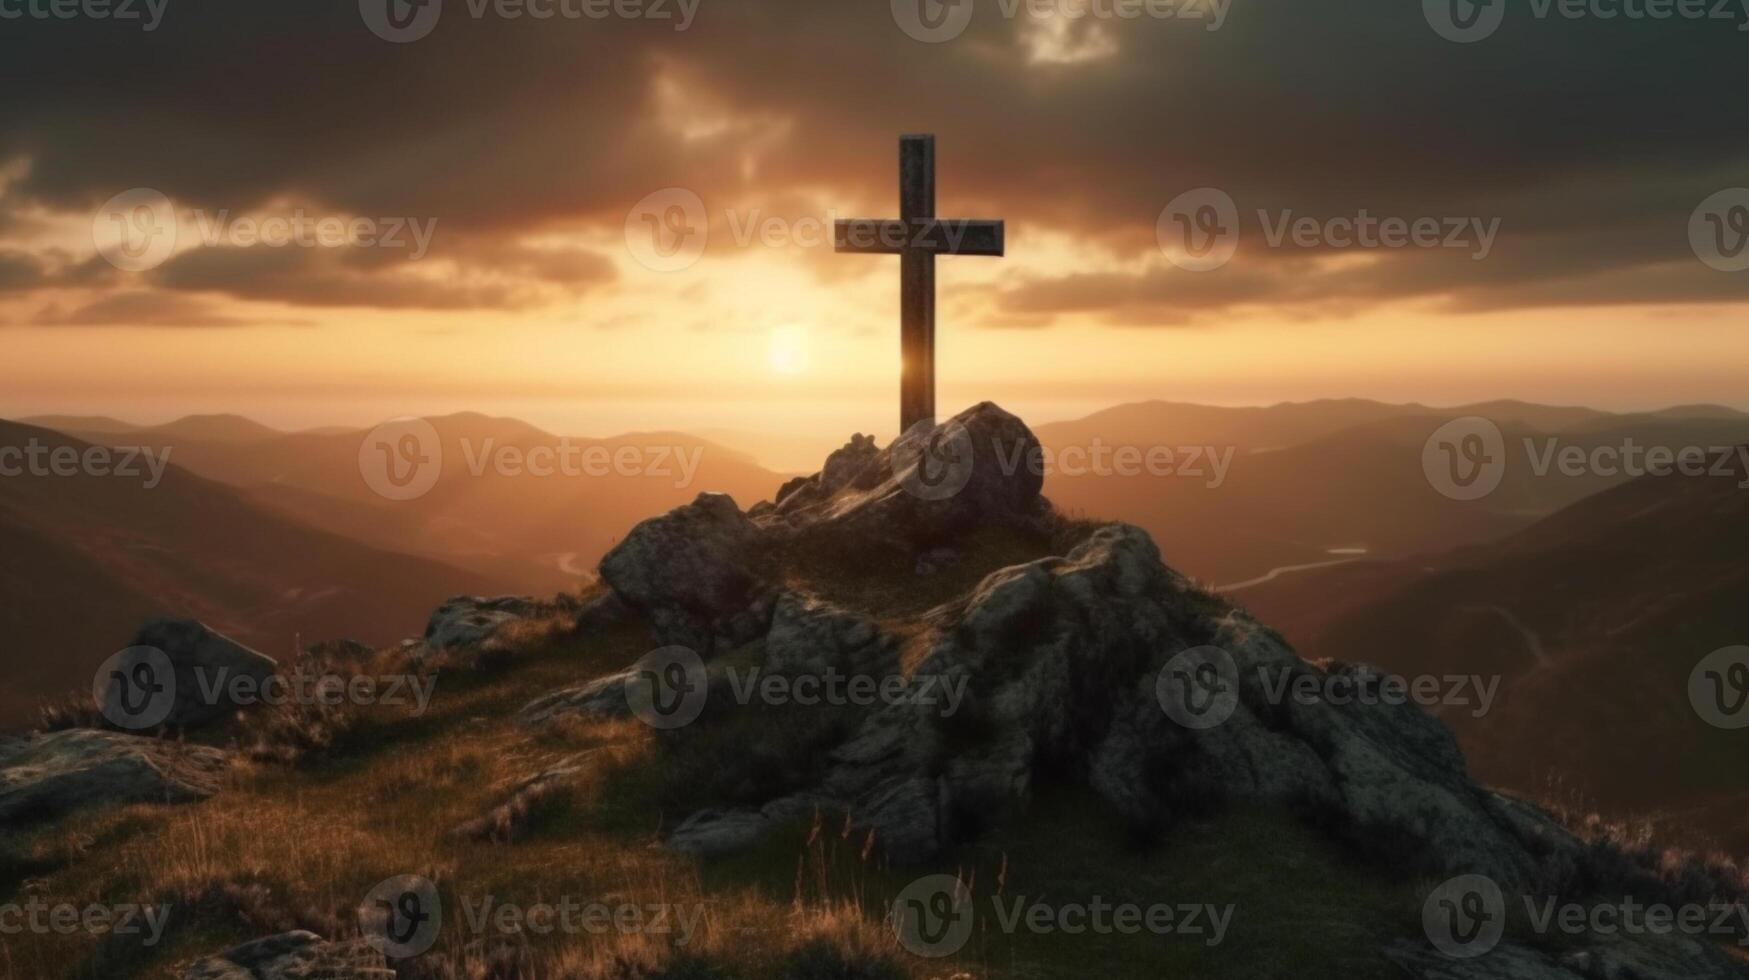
917 237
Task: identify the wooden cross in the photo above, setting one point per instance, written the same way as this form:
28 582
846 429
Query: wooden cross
917 237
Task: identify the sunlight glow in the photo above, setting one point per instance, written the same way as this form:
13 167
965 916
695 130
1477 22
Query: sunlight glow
789 350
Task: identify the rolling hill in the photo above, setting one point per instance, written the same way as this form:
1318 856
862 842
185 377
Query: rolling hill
85 559
490 509
1319 482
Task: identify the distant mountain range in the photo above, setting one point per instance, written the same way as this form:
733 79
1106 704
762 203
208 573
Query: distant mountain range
526 531
1323 481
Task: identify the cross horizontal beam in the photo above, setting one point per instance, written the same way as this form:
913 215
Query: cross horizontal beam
926 236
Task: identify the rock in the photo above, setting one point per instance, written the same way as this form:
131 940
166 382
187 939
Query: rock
710 833
691 573
849 462
695 572
294 956
803 635
808 636
603 697
1060 660
204 664
467 621
783 492
928 489
1614 957
1508 961
48 775
603 612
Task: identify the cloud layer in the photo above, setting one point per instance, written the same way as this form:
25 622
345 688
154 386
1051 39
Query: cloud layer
1589 141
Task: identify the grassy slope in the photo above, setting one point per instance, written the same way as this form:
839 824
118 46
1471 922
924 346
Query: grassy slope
319 837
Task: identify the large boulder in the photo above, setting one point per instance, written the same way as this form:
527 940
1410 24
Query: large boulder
809 636
930 488
1061 661
48 775
294 956
805 636
695 573
692 574
208 669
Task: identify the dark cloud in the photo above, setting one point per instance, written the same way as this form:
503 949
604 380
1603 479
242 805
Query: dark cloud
20 270
325 277
1592 140
139 308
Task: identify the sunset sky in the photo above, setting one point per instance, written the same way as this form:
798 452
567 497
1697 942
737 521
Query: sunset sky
535 145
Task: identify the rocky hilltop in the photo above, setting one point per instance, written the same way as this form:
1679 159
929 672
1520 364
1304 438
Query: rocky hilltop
980 653
1067 667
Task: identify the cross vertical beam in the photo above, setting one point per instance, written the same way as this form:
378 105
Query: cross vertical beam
916 284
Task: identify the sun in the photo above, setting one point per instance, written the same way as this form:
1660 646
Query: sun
789 350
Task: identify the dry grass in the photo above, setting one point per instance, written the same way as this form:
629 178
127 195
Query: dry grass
299 846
